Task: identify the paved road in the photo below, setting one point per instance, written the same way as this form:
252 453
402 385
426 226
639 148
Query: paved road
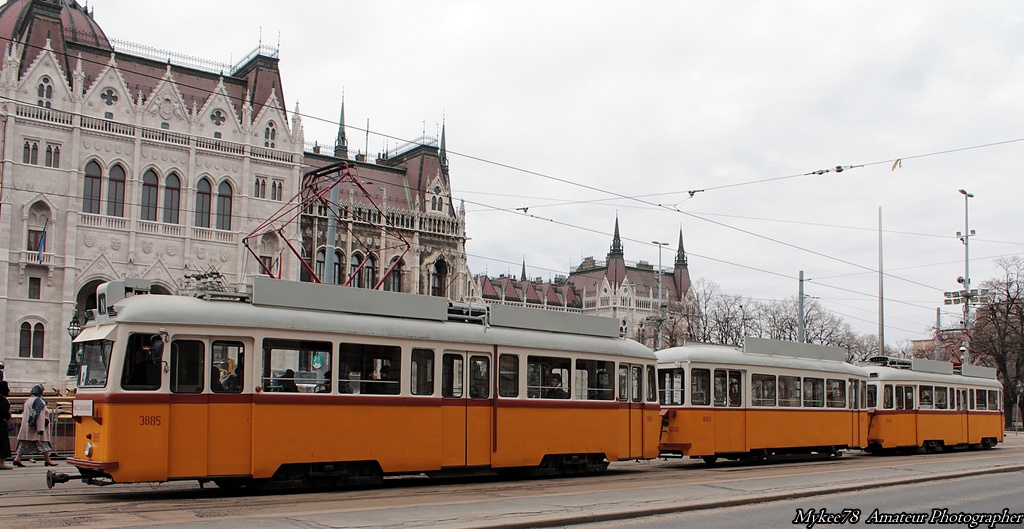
628 490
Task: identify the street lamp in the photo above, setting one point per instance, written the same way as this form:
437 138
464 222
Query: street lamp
965 238
74 329
661 308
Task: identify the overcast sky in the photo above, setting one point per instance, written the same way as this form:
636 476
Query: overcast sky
570 108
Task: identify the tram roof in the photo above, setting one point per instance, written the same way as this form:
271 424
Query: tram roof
232 317
776 354
893 374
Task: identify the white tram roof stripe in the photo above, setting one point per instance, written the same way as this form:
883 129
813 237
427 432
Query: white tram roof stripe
907 376
234 318
699 353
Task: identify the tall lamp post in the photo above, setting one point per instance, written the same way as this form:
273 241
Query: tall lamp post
661 307
965 238
74 329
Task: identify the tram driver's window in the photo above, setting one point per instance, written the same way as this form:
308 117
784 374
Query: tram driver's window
872 396
508 376
887 397
982 400
143 361
187 366
993 399
651 390
227 367
672 391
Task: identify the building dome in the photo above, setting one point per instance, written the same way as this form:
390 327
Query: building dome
28 20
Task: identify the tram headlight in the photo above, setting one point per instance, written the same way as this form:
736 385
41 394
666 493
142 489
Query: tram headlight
88 450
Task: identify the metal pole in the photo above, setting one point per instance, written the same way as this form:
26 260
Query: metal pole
332 235
938 327
881 297
966 238
800 317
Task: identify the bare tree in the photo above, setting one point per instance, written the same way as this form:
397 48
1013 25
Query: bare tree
999 330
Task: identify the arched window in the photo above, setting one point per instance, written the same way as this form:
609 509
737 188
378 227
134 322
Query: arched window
56 156
45 92
91 193
280 191
439 279
31 340
339 265
49 156
394 280
256 188
172 198
34 160
204 197
224 206
150 192
115 192
370 272
318 267
433 203
26 155
270 135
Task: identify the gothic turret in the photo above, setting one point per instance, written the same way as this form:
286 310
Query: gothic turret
341 142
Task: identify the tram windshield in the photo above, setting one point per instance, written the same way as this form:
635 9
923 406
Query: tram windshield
94 359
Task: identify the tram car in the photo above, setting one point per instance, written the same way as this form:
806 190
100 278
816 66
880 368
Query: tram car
259 390
764 399
921 405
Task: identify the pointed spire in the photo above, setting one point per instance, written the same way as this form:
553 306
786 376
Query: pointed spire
341 142
680 253
616 249
444 149
522 275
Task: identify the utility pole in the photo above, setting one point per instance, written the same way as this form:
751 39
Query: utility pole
881 297
800 317
965 238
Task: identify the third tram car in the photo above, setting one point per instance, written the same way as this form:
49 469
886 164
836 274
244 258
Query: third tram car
256 390
766 398
921 404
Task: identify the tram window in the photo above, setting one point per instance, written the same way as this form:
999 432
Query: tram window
789 391
142 364
872 396
814 393
863 394
673 392
187 366
452 375
982 399
508 376
971 394
421 372
762 390
652 384
908 397
593 380
547 377
479 377
993 399
852 400
623 383
924 397
370 369
95 359
294 366
226 367
887 397
721 388
836 393
700 387
940 398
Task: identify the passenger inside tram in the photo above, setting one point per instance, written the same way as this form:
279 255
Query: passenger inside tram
554 390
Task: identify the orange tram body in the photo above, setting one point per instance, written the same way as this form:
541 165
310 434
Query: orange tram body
764 399
257 391
921 404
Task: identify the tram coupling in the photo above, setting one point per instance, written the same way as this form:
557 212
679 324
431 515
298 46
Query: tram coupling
53 478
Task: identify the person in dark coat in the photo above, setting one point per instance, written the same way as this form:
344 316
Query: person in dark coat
5 416
287 382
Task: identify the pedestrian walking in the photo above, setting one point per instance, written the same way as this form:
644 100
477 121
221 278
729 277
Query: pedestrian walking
34 435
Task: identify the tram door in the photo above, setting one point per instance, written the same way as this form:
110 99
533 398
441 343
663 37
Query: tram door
631 396
466 409
961 406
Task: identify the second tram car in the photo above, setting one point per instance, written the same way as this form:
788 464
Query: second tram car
262 391
766 398
921 404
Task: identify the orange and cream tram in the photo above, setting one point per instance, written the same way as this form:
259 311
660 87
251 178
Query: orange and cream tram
921 404
766 398
259 390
